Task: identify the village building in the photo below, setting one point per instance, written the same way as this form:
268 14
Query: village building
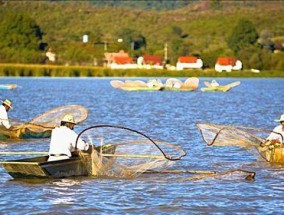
189 62
119 60
150 62
50 55
228 64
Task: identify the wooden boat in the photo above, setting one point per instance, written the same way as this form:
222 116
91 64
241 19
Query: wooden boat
224 88
272 152
174 84
136 85
25 131
8 86
39 167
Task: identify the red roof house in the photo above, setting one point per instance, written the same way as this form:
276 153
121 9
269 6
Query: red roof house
189 62
227 64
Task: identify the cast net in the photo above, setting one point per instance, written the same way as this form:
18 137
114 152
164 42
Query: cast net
224 135
41 125
126 153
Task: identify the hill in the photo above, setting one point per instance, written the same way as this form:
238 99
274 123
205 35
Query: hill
201 28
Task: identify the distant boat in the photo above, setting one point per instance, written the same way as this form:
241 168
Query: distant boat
8 86
137 85
190 84
155 84
215 87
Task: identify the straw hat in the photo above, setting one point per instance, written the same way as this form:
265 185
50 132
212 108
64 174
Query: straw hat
68 118
281 119
7 102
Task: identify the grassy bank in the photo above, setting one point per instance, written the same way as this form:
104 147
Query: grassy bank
28 70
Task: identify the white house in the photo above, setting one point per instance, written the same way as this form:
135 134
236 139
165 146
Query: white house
120 60
189 62
228 64
150 62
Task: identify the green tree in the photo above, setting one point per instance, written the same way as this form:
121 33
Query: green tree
243 35
20 35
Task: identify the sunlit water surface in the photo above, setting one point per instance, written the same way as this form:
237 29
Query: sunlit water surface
165 115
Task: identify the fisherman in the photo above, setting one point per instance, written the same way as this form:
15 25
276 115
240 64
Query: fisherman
4 108
63 140
214 83
277 135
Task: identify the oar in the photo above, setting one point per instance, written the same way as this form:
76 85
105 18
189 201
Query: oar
234 84
23 153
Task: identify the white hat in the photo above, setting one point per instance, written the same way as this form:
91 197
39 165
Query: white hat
281 119
68 118
7 102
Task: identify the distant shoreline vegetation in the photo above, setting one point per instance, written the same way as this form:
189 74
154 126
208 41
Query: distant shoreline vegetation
32 70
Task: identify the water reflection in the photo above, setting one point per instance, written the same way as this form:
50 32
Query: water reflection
168 116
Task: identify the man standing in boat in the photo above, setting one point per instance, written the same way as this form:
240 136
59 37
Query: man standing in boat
63 140
4 108
278 132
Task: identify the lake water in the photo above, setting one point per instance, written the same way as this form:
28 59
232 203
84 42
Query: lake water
163 115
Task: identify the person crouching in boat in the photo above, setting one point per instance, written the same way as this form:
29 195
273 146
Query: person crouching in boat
278 132
4 108
63 140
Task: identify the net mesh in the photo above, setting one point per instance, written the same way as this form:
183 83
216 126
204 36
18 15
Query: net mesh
125 153
41 126
224 135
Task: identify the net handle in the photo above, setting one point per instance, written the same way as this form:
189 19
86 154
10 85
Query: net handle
129 129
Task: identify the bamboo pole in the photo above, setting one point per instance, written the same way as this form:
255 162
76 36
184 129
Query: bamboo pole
183 171
23 153
134 156
17 162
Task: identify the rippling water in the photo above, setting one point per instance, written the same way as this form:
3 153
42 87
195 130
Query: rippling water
168 116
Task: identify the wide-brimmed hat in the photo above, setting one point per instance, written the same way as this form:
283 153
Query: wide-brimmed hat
281 119
68 118
7 102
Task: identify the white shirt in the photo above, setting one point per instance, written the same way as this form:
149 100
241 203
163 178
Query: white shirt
63 141
4 117
275 136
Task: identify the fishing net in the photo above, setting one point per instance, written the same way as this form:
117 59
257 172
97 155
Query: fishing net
41 125
224 135
126 153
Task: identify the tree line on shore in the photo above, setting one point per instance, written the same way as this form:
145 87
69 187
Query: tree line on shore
253 34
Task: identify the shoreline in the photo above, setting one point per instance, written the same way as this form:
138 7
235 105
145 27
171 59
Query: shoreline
36 70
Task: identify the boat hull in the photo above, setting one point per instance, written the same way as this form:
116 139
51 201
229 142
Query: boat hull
215 89
25 132
39 167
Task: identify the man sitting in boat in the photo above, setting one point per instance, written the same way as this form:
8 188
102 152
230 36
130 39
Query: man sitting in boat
278 132
63 140
4 108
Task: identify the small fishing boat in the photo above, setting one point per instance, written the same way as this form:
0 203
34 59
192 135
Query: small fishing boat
39 167
174 84
25 131
218 88
42 125
8 86
137 85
